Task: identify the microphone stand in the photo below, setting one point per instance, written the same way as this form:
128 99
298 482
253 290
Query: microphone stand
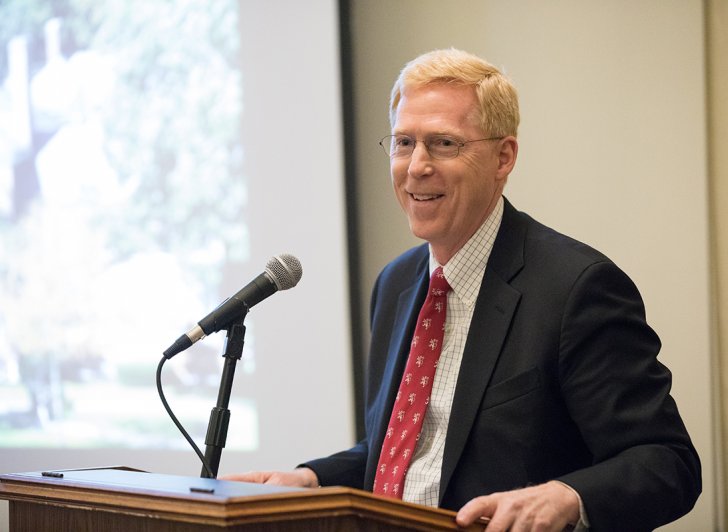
220 415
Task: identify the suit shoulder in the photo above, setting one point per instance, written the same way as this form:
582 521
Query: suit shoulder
558 247
403 270
549 265
407 263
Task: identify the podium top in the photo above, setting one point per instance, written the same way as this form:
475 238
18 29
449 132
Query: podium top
124 479
214 502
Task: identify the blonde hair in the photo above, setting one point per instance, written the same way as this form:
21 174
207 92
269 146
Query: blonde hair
498 109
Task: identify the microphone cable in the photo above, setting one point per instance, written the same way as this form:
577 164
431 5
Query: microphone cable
186 435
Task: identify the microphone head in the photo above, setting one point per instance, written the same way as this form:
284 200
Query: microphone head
284 270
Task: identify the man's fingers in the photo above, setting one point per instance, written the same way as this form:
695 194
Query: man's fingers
547 507
474 509
257 477
301 477
495 507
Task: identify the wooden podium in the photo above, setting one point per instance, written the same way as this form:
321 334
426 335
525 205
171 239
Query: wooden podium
121 499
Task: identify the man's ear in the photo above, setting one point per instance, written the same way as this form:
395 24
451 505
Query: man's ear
507 155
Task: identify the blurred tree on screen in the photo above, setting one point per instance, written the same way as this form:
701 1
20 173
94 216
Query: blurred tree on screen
174 118
131 174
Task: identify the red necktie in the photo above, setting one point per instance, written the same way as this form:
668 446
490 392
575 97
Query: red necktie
408 413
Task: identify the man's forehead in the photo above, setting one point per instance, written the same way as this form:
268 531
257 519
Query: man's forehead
447 104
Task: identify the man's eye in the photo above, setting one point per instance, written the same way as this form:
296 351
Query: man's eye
443 142
402 142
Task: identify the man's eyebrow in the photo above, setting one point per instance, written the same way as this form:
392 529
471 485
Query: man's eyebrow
430 134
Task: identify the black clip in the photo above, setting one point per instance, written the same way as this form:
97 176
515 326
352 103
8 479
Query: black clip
202 490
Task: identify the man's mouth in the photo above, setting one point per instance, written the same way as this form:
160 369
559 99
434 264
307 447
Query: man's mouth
425 197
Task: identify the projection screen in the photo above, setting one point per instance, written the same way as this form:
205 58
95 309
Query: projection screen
153 157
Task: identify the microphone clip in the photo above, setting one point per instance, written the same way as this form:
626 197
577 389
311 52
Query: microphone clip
235 337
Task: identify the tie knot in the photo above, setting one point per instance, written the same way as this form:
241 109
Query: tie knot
438 284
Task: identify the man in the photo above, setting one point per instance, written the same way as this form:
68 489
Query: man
547 407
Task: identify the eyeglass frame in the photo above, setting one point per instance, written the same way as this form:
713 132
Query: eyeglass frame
459 143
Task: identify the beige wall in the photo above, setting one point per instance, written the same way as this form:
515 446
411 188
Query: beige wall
613 150
717 49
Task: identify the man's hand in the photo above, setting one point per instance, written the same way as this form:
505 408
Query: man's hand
547 507
302 477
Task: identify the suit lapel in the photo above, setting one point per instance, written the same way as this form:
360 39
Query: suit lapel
494 310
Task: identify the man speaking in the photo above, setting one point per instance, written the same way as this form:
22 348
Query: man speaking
512 374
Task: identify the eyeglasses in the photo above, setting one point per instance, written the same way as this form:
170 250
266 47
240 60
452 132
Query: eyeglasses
438 146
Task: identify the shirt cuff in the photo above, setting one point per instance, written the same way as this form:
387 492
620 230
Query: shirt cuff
583 524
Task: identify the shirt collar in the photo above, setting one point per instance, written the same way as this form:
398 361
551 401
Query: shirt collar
464 271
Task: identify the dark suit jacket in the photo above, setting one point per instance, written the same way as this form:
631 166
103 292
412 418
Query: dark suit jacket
559 380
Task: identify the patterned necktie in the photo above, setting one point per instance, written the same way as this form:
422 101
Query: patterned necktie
405 423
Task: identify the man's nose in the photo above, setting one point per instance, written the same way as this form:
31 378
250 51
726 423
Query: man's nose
420 161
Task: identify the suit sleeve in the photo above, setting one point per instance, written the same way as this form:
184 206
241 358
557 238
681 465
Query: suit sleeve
345 468
646 471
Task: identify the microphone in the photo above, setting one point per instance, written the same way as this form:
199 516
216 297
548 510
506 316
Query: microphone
281 273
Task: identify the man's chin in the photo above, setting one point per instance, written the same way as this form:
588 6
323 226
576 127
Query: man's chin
420 231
